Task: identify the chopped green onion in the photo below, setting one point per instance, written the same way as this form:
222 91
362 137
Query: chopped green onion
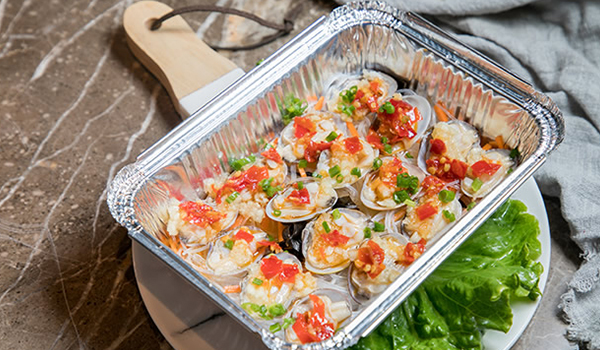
339 178
232 197
229 244
514 153
471 206
378 227
276 212
387 149
349 95
449 216
326 227
384 140
356 172
251 307
367 232
271 191
332 136
476 185
410 203
318 176
265 183
334 170
346 109
409 156
257 281
410 183
239 164
293 107
387 108
336 214
276 310
303 163
260 61
300 185
401 196
263 313
288 321
510 170
275 327
446 196
272 238
377 163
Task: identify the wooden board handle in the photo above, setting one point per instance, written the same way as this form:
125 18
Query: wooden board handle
174 54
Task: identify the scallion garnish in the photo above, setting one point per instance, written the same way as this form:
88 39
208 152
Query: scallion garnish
336 214
409 156
449 216
446 196
292 107
339 178
326 227
276 212
514 153
476 185
232 197
300 185
384 140
334 171
257 281
356 172
276 310
387 149
387 108
347 109
318 176
239 164
471 206
349 95
288 321
377 163
378 227
275 327
410 203
229 244
510 170
408 182
401 196
367 232
332 136
303 163
251 307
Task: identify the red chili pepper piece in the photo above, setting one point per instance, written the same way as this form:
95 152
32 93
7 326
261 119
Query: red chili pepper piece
288 273
199 214
245 235
375 141
426 210
313 326
459 168
274 246
437 146
335 238
353 145
312 151
484 167
373 256
299 197
432 184
272 154
413 251
271 266
303 126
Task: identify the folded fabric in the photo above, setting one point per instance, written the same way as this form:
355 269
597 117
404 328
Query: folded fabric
555 45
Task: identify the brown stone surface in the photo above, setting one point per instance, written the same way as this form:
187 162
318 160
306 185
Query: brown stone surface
75 106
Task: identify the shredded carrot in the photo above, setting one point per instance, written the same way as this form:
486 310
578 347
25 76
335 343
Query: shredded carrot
320 102
239 221
232 289
174 242
487 147
440 112
500 141
351 128
311 98
302 172
399 214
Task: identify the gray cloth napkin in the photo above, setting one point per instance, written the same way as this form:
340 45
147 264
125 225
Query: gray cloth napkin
556 46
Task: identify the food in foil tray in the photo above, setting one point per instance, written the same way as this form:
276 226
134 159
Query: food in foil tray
331 211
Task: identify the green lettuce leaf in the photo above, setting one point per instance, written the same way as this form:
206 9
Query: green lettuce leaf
471 290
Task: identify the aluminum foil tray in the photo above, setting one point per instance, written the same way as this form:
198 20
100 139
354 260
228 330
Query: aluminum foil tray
354 37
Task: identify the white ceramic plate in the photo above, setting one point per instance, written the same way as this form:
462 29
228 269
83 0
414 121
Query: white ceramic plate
189 320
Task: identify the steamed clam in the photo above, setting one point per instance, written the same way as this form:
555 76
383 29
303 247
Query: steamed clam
235 251
486 169
317 316
327 239
377 263
196 222
391 185
347 161
272 285
302 200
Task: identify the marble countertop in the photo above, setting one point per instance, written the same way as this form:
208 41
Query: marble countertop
76 106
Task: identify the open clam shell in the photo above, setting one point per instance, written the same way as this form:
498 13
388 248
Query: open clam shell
323 254
258 290
363 287
337 307
191 229
434 225
321 197
458 138
338 165
231 255
377 195
498 156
